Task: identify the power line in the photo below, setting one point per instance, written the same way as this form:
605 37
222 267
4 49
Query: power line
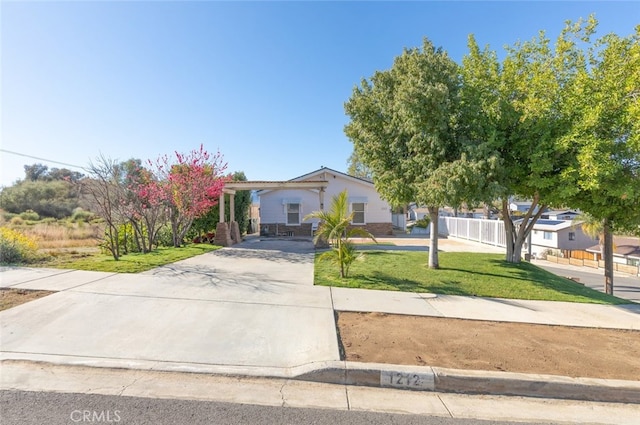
42 159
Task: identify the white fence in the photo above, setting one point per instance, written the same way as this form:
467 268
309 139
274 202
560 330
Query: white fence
399 221
490 232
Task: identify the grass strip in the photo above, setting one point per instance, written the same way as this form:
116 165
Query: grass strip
460 273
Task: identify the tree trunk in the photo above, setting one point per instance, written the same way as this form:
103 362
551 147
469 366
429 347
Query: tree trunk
517 235
433 238
608 257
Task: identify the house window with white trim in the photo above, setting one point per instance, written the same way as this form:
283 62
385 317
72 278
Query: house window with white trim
293 214
548 236
358 213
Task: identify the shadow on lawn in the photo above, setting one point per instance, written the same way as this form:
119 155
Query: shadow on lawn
544 279
453 279
380 280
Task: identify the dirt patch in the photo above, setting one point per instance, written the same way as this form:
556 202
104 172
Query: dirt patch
495 346
11 297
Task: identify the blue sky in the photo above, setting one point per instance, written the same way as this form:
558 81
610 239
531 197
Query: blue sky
263 82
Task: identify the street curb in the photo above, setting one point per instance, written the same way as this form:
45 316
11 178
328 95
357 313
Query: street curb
416 378
426 378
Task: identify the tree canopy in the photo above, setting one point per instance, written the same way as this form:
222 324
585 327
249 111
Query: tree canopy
405 128
49 192
604 178
554 122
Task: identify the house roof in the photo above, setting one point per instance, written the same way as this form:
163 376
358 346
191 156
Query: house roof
560 212
552 225
330 170
273 185
319 171
622 246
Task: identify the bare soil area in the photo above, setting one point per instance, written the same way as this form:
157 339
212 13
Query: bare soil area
495 346
11 297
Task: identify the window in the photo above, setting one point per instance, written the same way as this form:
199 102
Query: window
293 214
572 236
548 236
358 213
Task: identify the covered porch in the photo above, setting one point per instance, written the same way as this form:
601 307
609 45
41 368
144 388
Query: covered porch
228 232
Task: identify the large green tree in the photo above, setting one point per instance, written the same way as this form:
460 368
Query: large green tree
355 167
404 128
517 112
605 136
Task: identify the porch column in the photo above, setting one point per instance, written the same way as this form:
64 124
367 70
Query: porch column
232 210
236 237
221 206
223 233
321 193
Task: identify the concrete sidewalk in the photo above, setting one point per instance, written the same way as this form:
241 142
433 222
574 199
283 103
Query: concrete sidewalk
21 376
253 310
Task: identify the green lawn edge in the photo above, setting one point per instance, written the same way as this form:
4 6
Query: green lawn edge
133 262
460 273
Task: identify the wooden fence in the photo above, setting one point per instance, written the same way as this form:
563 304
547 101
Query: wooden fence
633 270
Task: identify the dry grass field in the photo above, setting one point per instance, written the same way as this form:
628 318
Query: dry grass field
52 235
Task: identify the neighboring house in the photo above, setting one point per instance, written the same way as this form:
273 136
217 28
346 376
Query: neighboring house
254 217
625 251
560 214
563 235
282 211
521 206
415 212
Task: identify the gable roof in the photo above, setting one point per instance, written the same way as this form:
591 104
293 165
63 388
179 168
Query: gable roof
624 247
321 170
330 170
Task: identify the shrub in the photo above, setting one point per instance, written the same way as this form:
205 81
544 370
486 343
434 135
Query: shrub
423 222
15 247
165 236
80 215
30 215
7 216
17 221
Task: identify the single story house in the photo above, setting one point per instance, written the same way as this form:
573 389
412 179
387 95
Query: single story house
626 251
282 211
521 207
562 235
560 214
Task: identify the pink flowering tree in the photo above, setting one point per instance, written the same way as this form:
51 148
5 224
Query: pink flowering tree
145 204
189 187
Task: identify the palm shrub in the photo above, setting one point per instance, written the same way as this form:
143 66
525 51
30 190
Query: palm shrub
335 227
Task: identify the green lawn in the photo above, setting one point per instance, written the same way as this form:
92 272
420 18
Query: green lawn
131 263
460 273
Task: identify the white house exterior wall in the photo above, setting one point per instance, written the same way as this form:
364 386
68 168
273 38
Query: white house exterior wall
272 203
560 240
273 210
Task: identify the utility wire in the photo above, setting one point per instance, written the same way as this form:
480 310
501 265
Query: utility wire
42 159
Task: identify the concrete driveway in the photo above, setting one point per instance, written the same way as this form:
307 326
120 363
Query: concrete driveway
250 306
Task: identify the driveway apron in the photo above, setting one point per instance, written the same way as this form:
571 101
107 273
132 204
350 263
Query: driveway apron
251 305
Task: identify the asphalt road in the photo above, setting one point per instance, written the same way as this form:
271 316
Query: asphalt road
25 408
624 286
